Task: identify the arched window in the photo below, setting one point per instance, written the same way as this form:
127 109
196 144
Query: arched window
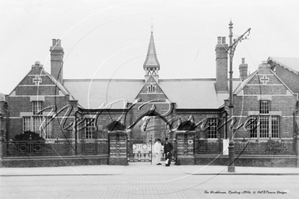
151 88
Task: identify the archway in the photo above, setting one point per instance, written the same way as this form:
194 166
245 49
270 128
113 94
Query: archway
143 135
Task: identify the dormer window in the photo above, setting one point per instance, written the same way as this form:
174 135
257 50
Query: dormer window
151 88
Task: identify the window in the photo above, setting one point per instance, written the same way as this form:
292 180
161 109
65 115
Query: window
89 128
212 128
264 107
46 128
264 126
253 127
275 126
38 124
37 121
268 127
26 124
36 107
151 88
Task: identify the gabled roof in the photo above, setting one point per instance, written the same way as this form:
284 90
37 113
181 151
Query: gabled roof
241 86
244 83
43 72
291 64
19 83
158 90
151 59
59 85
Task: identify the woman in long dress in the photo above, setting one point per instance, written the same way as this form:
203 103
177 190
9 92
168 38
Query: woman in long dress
157 150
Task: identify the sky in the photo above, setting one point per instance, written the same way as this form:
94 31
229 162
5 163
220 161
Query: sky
109 39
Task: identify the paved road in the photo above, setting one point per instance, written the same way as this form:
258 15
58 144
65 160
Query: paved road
139 181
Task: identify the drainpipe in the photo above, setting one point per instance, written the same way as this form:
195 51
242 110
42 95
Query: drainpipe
296 136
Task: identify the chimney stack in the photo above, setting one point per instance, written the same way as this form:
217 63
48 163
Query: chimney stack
221 84
57 55
243 70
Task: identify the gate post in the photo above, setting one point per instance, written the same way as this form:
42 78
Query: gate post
117 147
185 147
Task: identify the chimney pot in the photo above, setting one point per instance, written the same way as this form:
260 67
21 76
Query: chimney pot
243 70
219 40
223 40
56 42
53 42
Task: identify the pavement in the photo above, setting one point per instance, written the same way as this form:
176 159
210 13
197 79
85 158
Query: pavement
143 180
145 168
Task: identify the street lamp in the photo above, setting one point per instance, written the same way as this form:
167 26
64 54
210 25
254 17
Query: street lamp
231 48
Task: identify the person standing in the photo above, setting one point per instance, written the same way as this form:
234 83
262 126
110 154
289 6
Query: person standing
168 147
157 151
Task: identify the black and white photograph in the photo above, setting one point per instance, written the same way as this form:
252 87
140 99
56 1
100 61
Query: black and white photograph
125 99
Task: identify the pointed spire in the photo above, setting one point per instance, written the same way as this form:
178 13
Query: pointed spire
151 27
151 61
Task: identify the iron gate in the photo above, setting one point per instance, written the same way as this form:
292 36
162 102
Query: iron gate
139 151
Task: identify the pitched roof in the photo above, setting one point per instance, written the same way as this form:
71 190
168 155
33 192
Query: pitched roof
151 59
291 64
186 93
42 71
240 87
92 93
244 83
160 94
59 85
194 93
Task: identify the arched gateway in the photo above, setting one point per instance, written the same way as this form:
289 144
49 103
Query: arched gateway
143 134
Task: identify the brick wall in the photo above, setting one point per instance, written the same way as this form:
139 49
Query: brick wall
282 102
3 122
19 102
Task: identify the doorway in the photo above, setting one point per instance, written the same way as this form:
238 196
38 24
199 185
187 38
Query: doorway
142 138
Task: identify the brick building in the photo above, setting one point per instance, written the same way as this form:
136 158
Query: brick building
77 116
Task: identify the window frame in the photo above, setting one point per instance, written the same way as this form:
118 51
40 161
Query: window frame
267 129
27 123
30 124
264 130
37 107
89 130
264 107
253 128
275 127
212 132
151 88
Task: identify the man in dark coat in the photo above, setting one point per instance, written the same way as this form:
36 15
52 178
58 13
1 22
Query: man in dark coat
168 152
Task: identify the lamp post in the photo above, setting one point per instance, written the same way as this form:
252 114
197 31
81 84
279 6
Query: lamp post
232 47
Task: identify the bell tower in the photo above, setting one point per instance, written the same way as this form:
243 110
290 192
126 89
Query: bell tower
151 64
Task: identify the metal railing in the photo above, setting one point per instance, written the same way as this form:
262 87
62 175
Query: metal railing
56 148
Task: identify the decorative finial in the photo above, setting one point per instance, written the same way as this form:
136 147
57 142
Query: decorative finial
230 24
151 24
